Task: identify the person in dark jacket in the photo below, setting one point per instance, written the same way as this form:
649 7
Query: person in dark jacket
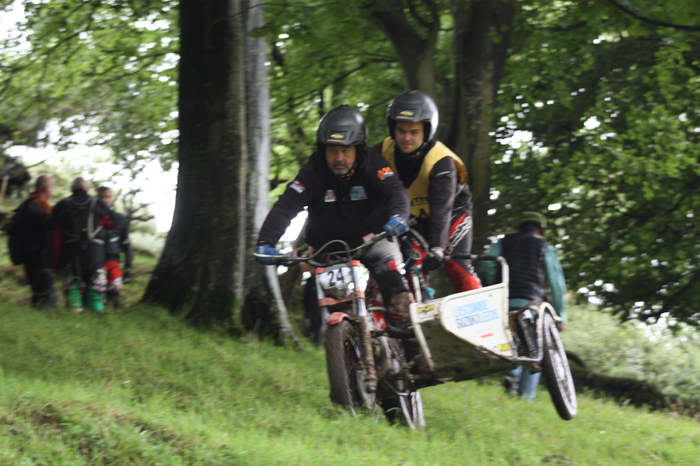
38 230
436 179
79 252
116 242
533 268
351 192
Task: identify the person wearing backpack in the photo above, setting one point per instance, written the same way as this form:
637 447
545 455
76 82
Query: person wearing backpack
30 242
79 251
116 242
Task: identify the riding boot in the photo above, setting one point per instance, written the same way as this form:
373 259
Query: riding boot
93 301
74 298
112 296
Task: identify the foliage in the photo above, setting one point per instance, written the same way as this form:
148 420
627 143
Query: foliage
670 361
311 71
108 68
150 243
610 107
605 91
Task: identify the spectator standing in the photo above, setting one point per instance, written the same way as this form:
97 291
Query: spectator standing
116 242
533 268
37 228
79 252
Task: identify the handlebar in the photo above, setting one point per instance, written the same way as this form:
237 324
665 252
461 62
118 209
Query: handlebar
334 257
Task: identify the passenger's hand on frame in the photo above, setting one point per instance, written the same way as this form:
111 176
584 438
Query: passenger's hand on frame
433 260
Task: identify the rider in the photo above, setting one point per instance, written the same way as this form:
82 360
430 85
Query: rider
436 181
351 194
533 265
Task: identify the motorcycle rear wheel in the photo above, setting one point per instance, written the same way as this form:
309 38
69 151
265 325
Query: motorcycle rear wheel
345 370
405 408
557 373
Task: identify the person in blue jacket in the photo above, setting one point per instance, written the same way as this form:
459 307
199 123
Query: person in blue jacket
533 268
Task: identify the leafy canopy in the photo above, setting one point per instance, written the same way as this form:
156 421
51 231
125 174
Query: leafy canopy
610 105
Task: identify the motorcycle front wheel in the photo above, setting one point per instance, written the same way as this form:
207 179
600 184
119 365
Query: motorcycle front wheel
345 370
557 373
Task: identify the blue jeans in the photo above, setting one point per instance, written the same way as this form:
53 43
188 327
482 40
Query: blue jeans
527 381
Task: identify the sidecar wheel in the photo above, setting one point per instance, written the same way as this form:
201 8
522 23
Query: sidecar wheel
556 370
345 374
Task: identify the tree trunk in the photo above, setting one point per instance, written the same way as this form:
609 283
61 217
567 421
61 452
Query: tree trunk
200 270
481 36
415 46
263 309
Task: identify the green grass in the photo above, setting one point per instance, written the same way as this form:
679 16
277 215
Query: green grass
139 387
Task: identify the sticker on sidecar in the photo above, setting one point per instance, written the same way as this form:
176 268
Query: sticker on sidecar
428 308
474 313
479 317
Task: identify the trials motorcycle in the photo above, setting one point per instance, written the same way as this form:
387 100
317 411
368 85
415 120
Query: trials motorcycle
462 336
365 357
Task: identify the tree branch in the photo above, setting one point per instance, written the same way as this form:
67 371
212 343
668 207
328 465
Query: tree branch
429 24
629 12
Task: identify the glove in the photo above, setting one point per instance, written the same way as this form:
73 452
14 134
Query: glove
126 275
267 250
396 226
433 260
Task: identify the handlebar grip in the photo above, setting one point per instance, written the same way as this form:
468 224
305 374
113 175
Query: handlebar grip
472 257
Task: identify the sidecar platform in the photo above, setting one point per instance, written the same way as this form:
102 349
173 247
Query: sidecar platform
466 335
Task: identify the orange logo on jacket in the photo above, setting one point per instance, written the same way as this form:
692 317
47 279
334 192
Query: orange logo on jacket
384 172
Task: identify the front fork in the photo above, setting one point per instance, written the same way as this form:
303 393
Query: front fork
367 354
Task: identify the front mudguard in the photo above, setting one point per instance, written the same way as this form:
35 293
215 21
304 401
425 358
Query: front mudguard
336 318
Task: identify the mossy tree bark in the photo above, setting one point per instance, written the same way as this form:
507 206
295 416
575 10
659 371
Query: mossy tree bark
263 309
200 271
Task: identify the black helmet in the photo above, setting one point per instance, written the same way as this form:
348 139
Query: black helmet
342 126
413 106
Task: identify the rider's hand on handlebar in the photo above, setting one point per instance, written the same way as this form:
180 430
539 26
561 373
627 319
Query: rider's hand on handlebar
433 260
396 226
267 250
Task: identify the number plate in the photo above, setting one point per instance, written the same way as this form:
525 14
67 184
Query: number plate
335 277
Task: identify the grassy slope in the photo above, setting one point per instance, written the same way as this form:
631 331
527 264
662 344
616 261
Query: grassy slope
139 387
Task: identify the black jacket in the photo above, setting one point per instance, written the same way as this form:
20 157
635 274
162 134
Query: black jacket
37 231
339 208
78 219
524 251
38 223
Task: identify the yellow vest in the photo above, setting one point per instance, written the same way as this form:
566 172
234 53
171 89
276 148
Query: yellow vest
418 191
